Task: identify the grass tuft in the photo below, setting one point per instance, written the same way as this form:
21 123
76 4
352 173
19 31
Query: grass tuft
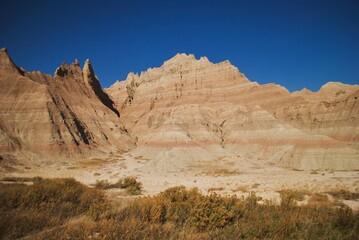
132 186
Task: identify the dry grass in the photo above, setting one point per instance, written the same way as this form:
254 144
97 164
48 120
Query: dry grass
26 209
216 172
132 186
65 209
344 194
16 179
320 200
291 197
297 170
241 188
94 163
213 189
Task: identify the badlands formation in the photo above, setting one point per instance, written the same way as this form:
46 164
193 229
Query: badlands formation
189 122
190 111
45 118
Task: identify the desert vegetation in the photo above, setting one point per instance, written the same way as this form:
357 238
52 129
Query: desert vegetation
131 185
344 194
66 209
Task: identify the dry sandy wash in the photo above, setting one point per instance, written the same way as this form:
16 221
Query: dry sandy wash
189 122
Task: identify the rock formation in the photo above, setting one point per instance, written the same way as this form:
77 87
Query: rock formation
65 116
189 110
177 116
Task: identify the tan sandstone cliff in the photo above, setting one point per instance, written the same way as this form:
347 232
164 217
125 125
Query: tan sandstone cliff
48 118
177 116
188 111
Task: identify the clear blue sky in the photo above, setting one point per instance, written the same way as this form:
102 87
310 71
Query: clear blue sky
295 43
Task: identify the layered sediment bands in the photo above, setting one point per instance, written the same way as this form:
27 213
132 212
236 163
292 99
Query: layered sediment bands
60 116
253 133
179 115
190 110
332 111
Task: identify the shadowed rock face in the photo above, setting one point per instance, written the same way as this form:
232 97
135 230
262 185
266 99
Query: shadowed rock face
92 81
67 115
189 110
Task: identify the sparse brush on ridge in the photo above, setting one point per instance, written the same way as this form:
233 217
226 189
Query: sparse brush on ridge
66 209
131 185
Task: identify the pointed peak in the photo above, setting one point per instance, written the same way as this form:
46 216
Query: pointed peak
65 69
61 70
204 59
180 58
88 68
5 58
306 90
75 65
132 76
7 64
89 73
184 55
92 81
303 92
226 62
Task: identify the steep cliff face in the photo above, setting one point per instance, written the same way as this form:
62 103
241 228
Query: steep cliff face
189 110
67 115
92 82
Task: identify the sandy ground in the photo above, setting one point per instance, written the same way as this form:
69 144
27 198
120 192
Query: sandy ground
224 176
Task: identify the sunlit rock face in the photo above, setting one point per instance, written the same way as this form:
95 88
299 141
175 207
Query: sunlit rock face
177 116
188 111
64 116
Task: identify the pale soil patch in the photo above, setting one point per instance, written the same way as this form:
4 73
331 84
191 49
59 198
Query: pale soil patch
224 176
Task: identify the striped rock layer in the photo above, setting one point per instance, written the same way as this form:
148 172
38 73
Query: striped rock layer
188 111
65 116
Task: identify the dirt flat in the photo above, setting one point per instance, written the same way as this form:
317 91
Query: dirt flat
224 176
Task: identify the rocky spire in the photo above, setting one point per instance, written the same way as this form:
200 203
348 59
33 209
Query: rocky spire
89 74
92 81
6 63
61 70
